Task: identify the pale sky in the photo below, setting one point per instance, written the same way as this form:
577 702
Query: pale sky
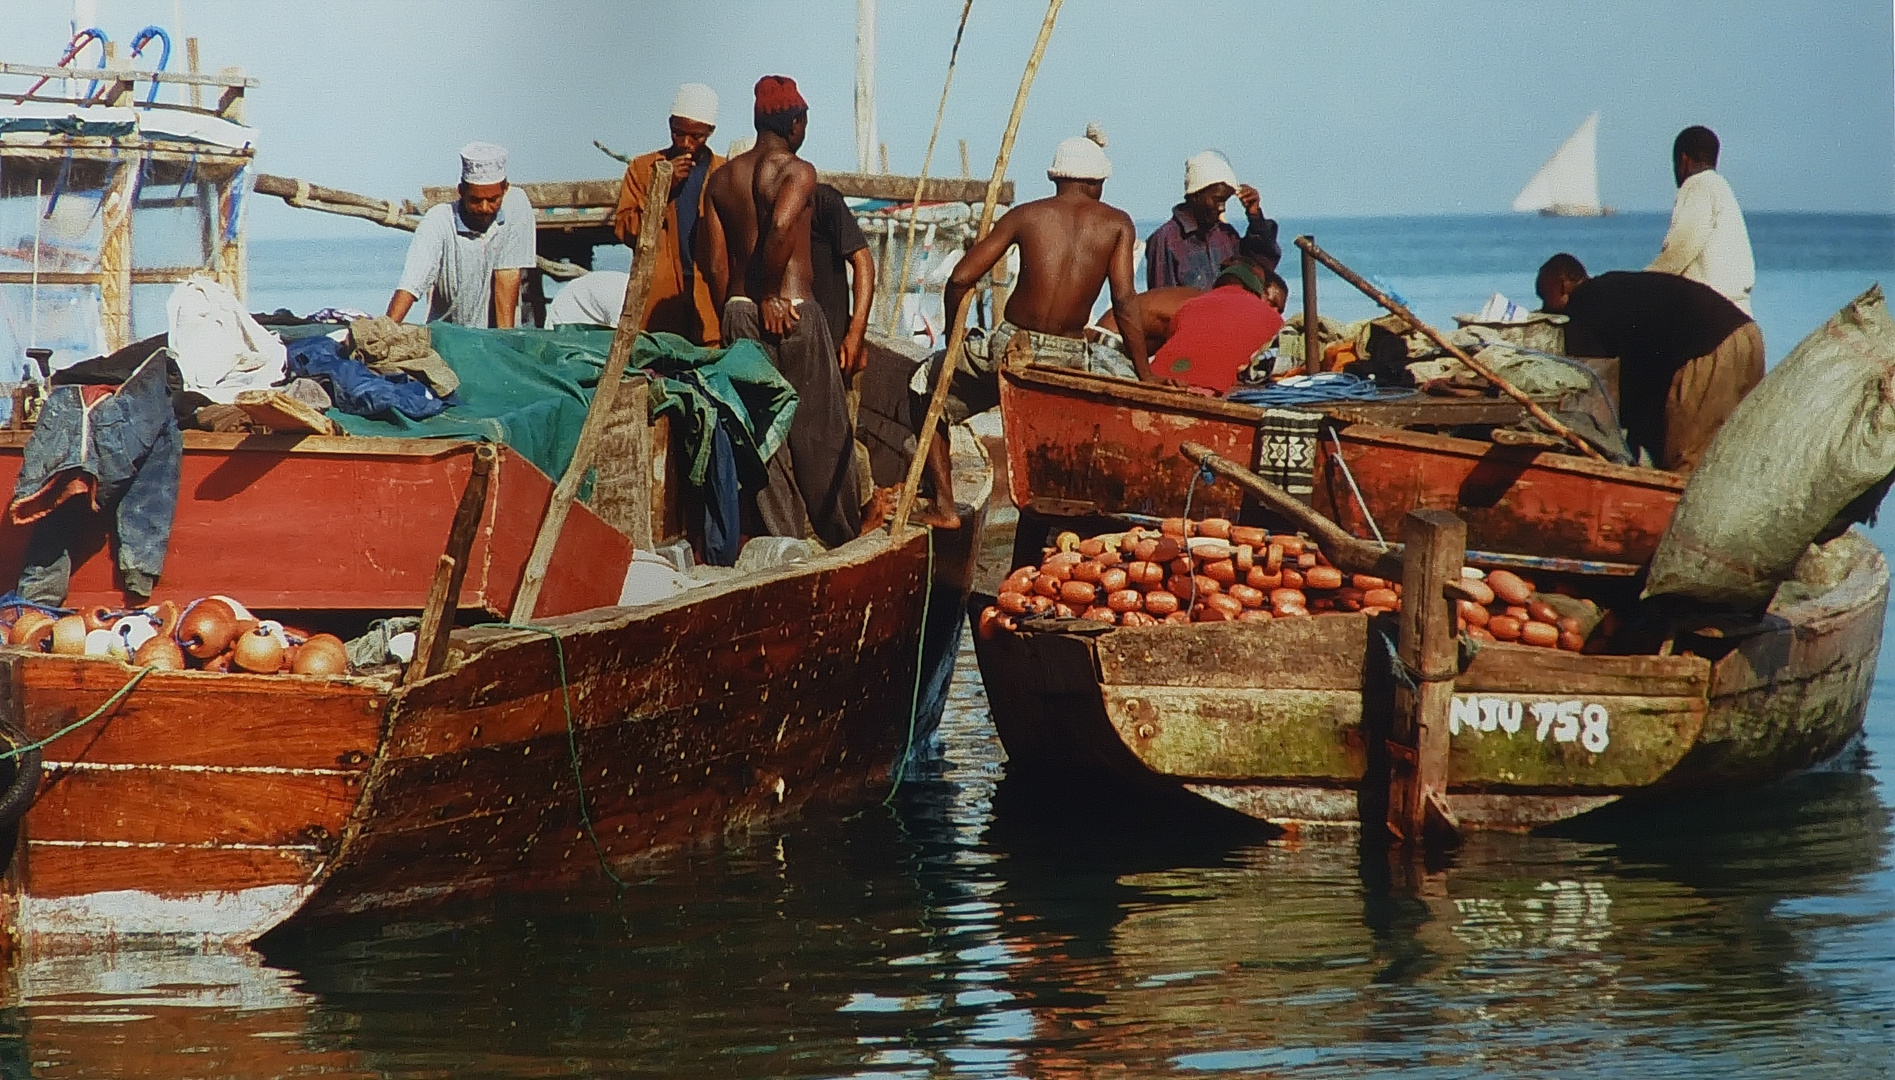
1339 108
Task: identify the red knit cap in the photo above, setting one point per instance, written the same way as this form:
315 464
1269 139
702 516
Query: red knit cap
778 94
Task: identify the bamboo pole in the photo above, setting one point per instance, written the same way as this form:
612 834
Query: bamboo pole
1398 308
631 324
921 182
957 336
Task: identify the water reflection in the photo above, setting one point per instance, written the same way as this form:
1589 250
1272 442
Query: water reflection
979 929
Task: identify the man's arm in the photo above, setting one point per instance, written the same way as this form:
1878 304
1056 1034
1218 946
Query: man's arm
1261 230
419 269
974 265
630 212
1126 307
1690 231
853 352
506 298
792 196
713 257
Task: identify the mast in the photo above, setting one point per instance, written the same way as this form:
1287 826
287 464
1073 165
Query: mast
865 135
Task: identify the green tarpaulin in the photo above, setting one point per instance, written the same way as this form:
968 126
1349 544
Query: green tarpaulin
530 390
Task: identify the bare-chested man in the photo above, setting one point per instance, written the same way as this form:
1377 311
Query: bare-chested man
1070 245
764 201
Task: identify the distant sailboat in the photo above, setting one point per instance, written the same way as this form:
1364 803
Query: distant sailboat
1568 184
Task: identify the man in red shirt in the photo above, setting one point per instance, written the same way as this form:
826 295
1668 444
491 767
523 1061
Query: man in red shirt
1214 336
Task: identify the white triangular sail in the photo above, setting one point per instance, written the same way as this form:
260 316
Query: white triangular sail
1569 181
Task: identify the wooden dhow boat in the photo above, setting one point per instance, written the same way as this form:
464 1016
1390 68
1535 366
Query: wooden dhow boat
218 806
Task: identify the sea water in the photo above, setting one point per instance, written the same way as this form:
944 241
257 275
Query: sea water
973 928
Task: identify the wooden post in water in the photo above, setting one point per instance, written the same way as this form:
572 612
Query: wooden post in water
1429 651
1312 342
631 324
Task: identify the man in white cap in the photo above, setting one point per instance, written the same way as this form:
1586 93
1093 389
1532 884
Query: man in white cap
467 257
687 281
1070 245
1191 247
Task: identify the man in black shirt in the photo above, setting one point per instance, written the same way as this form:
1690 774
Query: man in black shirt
837 246
1687 355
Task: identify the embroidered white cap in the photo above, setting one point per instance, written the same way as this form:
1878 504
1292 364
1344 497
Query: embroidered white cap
483 163
1082 157
1207 168
695 101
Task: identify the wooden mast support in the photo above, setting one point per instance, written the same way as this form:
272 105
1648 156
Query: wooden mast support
1398 308
438 623
631 324
957 335
1312 338
1429 652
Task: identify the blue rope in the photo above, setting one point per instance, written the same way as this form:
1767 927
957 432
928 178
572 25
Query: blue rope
1312 389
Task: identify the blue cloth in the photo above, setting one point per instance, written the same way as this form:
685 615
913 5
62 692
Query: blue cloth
355 389
126 449
723 526
1314 389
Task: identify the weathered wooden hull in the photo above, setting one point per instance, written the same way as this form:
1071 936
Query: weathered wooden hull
344 524
1283 721
219 806
1080 445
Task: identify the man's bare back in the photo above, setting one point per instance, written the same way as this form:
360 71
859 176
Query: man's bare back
1159 306
729 190
783 191
1070 245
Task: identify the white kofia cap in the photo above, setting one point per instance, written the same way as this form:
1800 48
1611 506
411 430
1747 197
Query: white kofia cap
695 101
1203 170
483 163
1082 157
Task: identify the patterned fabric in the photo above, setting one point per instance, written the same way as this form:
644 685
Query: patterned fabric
1289 449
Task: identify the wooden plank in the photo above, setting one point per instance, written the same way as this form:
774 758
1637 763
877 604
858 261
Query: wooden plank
168 805
1328 652
1505 668
1435 545
1551 743
382 507
198 718
226 78
1210 733
56 870
1426 412
624 484
605 193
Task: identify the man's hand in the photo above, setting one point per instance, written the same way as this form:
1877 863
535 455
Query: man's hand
779 315
1253 202
853 354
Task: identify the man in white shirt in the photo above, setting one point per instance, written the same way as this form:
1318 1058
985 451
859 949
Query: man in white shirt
1707 241
467 256
589 300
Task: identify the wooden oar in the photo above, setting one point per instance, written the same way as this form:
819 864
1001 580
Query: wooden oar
631 324
957 336
1400 309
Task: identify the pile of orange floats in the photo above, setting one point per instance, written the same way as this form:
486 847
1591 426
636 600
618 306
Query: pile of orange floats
1508 609
214 633
1214 571
1185 572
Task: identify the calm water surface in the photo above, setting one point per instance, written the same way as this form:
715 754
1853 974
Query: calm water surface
972 929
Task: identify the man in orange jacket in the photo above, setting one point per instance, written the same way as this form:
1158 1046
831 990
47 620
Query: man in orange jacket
687 283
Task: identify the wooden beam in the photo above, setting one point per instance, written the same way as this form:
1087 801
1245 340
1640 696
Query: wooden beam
1312 325
1429 652
460 543
433 617
230 77
591 194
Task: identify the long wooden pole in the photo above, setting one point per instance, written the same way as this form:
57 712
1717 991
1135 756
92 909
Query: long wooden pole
957 337
1312 325
460 544
921 182
1397 307
631 323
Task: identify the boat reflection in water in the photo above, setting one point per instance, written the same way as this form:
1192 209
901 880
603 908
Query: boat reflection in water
979 930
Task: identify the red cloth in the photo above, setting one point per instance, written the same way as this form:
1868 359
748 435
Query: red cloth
1214 336
778 93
